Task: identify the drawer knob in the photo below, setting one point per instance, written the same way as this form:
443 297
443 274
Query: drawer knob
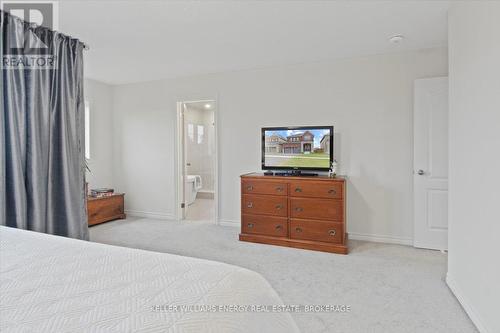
249 188
250 205
298 189
250 225
332 191
279 206
279 189
298 209
332 232
298 229
278 227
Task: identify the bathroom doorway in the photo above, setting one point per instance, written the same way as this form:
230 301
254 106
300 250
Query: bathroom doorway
198 161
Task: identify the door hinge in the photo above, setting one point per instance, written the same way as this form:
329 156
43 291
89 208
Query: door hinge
183 205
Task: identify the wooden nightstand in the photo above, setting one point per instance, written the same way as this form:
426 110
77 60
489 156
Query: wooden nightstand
105 209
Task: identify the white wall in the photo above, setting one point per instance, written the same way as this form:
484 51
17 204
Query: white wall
99 96
368 100
474 192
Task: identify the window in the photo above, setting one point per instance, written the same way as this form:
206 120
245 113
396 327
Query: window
191 132
87 130
200 134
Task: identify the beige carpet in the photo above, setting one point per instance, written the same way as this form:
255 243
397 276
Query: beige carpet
389 288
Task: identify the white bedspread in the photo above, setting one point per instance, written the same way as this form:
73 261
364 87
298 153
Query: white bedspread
57 284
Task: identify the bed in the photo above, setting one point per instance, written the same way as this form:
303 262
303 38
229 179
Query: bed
56 284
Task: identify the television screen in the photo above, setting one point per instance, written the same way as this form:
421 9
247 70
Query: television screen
307 148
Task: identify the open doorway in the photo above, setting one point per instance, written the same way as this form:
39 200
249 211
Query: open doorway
198 160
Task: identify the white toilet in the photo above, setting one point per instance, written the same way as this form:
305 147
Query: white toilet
191 187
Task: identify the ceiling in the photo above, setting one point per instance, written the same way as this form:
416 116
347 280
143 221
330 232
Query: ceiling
132 41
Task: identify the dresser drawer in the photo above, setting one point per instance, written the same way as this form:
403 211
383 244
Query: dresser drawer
321 209
332 190
264 187
264 225
317 230
264 204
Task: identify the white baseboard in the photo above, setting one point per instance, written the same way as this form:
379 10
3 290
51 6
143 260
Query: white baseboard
150 215
229 223
455 289
354 236
380 238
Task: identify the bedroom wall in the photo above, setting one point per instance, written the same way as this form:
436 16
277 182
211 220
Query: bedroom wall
100 98
368 100
473 259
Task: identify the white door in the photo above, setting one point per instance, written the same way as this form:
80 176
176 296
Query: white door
430 163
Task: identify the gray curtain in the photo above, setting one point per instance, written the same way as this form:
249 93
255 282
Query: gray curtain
42 167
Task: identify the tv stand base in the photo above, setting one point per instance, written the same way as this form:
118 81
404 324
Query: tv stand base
295 173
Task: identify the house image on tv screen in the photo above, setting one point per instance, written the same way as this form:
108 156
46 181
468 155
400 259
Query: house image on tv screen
300 143
310 148
325 143
274 143
297 143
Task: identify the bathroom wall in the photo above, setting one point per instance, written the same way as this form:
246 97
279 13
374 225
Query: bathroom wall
200 138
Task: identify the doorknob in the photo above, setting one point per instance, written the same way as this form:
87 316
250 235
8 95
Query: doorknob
420 172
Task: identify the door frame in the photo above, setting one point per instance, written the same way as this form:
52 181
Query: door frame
180 156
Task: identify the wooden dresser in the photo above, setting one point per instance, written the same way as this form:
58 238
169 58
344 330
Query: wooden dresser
301 212
105 209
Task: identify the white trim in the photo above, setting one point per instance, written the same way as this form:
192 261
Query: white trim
229 223
217 190
150 215
474 317
423 245
381 238
178 162
353 236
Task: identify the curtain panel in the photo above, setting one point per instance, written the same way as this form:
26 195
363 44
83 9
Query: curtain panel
42 167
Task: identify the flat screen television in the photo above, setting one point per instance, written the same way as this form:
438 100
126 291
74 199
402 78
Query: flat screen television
297 148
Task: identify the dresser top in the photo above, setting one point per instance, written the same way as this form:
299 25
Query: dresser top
317 178
104 197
